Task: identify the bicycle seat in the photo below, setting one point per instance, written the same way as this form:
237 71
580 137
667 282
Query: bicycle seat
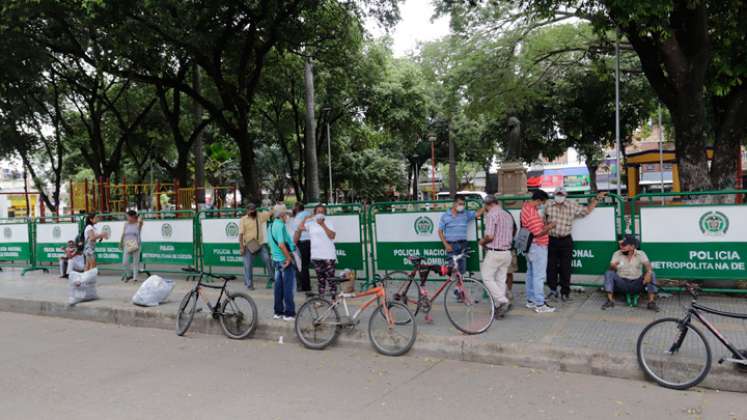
337 280
228 277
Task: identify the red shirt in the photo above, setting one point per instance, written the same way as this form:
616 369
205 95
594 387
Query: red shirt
530 219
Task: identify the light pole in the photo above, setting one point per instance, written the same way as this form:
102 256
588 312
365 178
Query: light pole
661 152
432 139
617 110
330 198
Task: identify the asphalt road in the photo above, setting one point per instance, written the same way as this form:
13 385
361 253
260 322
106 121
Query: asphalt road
62 369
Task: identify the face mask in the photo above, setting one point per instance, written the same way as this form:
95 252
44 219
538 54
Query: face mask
559 199
460 209
318 217
626 253
541 208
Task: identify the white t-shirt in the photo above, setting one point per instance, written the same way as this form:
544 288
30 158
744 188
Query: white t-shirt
88 232
322 248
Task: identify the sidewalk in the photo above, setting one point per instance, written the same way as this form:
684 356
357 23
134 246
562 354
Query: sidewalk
578 338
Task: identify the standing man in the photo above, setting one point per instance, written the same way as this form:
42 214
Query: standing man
562 213
303 241
498 238
282 247
537 255
452 229
252 242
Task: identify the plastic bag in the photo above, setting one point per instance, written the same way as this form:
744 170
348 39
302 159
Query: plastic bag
82 286
154 291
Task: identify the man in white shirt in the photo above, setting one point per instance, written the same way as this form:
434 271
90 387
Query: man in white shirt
323 253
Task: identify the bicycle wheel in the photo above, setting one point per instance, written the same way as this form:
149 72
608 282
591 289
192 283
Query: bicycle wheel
393 339
673 354
470 309
317 323
186 312
238 316
403 290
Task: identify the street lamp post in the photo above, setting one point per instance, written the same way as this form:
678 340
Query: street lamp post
433 165
617 111
329 164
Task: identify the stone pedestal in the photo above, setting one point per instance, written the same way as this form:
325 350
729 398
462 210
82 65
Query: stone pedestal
512 179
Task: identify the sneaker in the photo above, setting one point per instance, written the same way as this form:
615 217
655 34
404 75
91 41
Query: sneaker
544 309
566 298
608 304
501 310
552 296
289 318
250 287
531 305
652 306
276 316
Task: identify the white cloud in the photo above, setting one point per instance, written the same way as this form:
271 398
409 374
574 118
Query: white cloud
414 27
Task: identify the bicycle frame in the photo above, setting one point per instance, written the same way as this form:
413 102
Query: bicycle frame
200 285
455 275
695 310
377 293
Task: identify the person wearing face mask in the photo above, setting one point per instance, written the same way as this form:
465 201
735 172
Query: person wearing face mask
626 275
452 229
252 242
282 248
323 253
537 255
562 213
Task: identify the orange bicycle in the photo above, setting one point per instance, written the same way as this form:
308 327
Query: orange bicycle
391 328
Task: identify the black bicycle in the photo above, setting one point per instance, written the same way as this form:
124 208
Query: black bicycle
236 312
676 354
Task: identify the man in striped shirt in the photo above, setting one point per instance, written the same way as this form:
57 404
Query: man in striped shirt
537 255
498 238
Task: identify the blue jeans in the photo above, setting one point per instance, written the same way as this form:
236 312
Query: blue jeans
536 274
285 284
249 262
457 247
614 283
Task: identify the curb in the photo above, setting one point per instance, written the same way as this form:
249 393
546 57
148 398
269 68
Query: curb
462 348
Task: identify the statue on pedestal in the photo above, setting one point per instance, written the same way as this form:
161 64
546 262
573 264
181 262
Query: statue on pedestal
512 176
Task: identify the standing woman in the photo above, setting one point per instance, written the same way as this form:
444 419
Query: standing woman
130 245
323 253
90 236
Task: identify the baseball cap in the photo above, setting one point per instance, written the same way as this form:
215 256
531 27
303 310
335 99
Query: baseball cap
251 206
561 191
629 240
489 199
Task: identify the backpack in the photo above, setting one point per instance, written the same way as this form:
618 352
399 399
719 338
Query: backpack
523 240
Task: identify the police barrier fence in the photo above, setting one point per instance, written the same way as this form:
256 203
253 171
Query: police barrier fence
15 242
686 238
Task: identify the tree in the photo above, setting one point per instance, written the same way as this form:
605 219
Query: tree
691 53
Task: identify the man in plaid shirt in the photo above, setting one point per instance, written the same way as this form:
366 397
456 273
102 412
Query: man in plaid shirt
560 252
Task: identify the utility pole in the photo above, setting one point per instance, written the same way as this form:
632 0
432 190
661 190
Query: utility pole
331 198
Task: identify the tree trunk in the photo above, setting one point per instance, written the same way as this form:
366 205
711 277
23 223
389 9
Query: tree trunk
452 164
250 192
197 148
312 164
690 143
592 167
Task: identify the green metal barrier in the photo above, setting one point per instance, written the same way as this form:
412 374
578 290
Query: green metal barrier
595 236
15 243
399 229
689 239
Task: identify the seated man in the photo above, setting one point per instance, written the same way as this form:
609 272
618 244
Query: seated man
69 253
626 275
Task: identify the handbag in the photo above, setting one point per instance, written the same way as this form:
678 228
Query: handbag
131 246
254 246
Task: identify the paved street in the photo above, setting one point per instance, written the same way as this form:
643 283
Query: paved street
54 368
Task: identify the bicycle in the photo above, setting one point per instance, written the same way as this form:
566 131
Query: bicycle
391 327
236 312
668 349
471 310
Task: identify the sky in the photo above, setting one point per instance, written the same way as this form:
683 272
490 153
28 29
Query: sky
415 26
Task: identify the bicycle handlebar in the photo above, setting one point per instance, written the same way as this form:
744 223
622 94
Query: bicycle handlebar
193 270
